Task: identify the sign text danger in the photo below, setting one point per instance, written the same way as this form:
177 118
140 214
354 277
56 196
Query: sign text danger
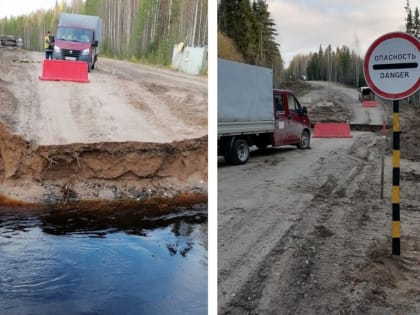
394 75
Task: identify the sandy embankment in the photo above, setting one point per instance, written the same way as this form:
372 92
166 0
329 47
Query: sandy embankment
132 135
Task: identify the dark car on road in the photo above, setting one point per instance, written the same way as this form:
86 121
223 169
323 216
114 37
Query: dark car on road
366 94
8 40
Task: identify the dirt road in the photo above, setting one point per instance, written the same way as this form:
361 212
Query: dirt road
306 232
122 102
132 129
337 102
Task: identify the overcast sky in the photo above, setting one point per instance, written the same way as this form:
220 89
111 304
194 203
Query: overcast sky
303 25
20 7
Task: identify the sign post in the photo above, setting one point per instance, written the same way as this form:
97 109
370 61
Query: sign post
383 158
392 71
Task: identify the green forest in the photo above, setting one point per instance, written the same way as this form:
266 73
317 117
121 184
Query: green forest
136 30
249 28
339 65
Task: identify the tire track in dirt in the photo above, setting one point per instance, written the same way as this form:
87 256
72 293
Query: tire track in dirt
285 279
318 274
252 235
56 113
335 259
181 98
122 102
19 113
264 211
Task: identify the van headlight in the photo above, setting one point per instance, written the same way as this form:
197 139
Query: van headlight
57 49
85 51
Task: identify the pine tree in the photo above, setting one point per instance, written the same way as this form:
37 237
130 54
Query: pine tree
266 44
409 19
416 23
235 19
253 31
412 26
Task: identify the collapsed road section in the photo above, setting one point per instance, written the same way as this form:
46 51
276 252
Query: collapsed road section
134 133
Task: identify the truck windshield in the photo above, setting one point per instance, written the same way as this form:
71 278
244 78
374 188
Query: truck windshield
74 34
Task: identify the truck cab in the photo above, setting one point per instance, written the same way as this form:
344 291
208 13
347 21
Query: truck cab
77 44
77 38
292 125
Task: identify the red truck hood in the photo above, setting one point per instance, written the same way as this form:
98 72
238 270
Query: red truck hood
71 45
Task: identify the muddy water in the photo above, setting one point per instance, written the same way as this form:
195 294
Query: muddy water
73 262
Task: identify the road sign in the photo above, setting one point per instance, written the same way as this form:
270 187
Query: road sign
392 65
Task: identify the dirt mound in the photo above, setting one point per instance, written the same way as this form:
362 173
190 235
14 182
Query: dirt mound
328 111
100 171
387 281
409 132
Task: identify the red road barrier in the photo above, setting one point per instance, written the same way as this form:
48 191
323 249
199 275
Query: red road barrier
369 104
64 70
332 130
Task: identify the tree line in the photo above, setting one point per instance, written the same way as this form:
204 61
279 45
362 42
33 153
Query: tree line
252 30
145 30
339 65
342 65
412 26
412 21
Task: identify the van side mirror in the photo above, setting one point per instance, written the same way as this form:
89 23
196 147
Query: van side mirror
95 43
304 110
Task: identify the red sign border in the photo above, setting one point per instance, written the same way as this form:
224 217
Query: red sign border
392 96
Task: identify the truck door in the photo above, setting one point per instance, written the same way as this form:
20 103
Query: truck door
280 131
294 117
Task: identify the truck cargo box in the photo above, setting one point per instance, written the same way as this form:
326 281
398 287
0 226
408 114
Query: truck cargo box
245 98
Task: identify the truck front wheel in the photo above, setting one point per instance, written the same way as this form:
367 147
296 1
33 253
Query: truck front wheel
240 152
305 140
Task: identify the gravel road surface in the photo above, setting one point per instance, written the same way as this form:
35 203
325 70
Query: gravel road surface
306 232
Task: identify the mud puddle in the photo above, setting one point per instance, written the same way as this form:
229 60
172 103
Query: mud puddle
119 262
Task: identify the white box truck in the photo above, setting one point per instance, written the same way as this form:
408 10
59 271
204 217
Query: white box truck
251 112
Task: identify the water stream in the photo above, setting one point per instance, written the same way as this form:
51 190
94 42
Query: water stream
76 262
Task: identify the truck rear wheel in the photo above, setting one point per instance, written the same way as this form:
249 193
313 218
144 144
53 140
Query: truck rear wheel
227 149
239 152
305 140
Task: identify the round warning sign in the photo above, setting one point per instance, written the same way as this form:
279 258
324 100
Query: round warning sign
392 65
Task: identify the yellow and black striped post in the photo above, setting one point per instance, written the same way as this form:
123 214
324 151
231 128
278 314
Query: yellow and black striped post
396 233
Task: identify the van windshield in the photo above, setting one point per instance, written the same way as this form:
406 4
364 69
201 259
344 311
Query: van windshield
74 34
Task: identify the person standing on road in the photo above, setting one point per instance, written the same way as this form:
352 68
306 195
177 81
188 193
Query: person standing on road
48 45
